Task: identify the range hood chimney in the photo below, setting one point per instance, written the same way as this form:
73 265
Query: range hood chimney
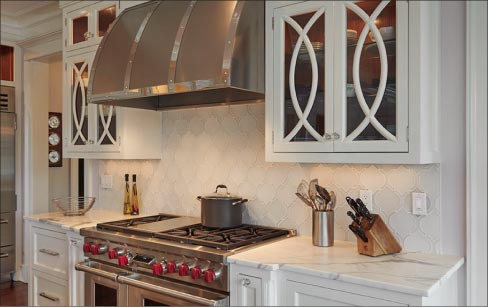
173 54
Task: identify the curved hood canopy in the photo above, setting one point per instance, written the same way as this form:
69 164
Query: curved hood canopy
173 54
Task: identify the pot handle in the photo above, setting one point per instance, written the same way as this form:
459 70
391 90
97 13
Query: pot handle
221 186
240 202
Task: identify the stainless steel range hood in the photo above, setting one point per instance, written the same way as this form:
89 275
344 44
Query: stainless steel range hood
173 54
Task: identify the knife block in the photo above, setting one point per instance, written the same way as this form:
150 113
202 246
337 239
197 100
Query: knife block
380 239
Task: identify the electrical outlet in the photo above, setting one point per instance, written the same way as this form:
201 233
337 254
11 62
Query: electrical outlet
106 181
367 197
419 203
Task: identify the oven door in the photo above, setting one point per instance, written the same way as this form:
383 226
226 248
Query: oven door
101 286
145 290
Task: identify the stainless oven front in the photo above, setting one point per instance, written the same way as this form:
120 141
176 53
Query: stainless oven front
107 285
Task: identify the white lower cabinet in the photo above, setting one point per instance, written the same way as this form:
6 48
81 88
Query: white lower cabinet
250 286
53 253
48 290
249 290
302 294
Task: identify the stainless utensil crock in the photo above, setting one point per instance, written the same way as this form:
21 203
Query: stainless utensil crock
323 228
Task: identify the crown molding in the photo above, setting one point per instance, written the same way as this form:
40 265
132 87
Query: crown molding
38 40
39 23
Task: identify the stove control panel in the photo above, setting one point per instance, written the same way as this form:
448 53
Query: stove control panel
160 264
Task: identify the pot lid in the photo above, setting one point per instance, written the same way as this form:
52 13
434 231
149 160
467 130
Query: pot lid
222 193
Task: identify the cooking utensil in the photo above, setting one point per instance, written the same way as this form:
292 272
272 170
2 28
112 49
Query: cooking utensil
320 202
323 192
221 210
306 201
364 210
354 218
359 232
312 191
333 199
303 191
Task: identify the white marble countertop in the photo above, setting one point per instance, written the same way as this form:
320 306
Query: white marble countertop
412 273
75 223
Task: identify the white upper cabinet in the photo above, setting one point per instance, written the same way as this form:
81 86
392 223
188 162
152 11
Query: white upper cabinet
99 131
85 26
338 84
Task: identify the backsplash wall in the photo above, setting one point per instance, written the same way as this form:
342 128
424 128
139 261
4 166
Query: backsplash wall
225 145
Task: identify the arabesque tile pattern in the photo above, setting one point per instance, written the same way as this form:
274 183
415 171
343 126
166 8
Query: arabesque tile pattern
208 146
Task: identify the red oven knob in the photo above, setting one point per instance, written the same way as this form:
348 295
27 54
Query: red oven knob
95 249
183 269
209 276
113 253
171 267
196 273
86 247
157 269
123 261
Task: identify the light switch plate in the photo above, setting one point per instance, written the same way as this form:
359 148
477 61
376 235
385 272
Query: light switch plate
419 203
106 181
366 196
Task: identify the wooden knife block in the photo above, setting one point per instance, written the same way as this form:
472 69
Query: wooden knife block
380 239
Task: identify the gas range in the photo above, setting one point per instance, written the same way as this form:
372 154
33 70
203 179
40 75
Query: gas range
172 248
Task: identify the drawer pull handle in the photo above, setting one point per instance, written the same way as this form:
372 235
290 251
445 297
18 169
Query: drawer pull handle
4 255
49 252
246 282
3 221
49 297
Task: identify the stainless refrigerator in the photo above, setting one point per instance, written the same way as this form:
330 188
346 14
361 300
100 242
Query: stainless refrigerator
8 204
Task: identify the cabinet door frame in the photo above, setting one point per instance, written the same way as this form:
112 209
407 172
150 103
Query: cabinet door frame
343 143
68 104
279 82
90 9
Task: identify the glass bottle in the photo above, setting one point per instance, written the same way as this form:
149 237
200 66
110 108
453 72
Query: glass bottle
135 201
127 205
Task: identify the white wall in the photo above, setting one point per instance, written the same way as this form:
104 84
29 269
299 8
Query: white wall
225 145
453 127
36 104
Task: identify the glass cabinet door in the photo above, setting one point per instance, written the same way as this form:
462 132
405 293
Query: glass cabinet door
87 26
107 138
104 14
372 98
77 75
303 62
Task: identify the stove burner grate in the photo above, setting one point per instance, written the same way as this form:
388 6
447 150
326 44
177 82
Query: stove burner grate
126 225
225 239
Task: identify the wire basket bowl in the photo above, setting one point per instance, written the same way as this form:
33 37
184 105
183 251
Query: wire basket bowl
74 206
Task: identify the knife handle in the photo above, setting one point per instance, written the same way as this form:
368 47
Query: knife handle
353 205
359 233
353 217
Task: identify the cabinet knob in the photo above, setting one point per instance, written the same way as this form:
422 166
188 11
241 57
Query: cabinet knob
87 35
336 136
328 136
245 282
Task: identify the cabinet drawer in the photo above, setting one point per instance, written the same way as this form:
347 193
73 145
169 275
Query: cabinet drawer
7 259
48 290
303 294
7 229
249 292
50 252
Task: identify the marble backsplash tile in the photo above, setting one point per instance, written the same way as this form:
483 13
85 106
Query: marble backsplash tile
209 146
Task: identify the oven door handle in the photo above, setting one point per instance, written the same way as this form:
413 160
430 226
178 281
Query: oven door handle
86 267
170 292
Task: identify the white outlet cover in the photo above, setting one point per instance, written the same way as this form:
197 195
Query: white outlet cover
419 203
106 181
366 196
